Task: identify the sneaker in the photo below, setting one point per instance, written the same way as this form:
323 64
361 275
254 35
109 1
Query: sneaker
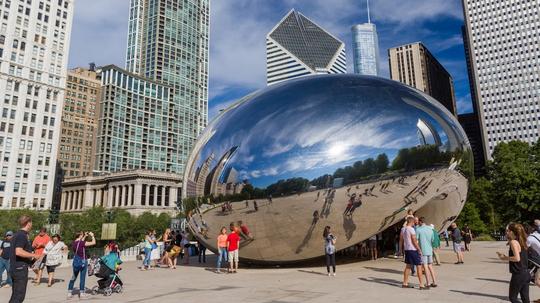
6 286
84 296
334 274
329 274
69 295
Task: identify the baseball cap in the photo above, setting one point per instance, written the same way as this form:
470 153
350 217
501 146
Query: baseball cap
9 233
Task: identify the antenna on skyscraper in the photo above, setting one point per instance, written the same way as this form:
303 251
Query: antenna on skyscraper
368 17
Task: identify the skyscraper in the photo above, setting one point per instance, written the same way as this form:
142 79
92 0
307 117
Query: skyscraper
365 48
506 74
414 65
297 47
34 44
80 122
167 56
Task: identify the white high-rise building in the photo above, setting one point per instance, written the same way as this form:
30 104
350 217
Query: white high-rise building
502 41
297 47
34 46
365 48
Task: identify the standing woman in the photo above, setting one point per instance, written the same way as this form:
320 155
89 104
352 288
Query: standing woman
517 259
54 251
467 237
167 241
80 264
222 248
330 250
148 244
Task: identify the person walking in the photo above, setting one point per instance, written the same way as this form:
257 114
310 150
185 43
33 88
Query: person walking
425 237
446 237
330 250
80 263
533 241
467 237
436 246
149 243
54 250
222 248
39 243
20 258
167 245
233 247
5 253
456 241
202 252
517 260
373 247
413 253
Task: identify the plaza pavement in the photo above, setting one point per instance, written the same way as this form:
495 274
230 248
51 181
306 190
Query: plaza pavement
483 278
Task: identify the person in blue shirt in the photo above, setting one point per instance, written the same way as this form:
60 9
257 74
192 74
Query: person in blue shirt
424 233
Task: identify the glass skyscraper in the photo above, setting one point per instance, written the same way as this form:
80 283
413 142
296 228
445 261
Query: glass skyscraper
167 50
365 49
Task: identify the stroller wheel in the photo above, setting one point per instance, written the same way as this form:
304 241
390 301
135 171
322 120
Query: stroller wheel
95 290
107 292
118 288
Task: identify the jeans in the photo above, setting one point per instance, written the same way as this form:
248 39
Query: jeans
20 281
202 253
76 270
147 253
519 284
222 256
331 261
4 265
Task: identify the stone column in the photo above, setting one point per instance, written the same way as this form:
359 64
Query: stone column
110 195
130 193
88 198
63 201
138 194
118 196
163 189
99 192
172 195
69 204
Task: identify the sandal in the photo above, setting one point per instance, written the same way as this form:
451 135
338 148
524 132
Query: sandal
406 286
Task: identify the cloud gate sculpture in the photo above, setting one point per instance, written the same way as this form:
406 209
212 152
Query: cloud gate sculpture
352 152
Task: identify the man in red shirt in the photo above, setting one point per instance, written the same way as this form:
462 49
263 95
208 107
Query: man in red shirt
233 245
39 243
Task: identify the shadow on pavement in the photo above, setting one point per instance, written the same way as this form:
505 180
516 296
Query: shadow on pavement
479 294
312 272
390 282
385 270
493 280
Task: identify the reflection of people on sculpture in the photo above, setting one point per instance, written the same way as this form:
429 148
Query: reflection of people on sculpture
349 226
349 204
255 206
244 231
309 232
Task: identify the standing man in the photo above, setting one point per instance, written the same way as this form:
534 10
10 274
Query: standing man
456 240
409 245
233 246
21 257
436 245
39 243
5 252
425 238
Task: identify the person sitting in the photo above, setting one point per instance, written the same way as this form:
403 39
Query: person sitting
110 266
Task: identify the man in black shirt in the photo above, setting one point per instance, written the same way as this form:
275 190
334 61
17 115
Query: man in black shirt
20 258
5 252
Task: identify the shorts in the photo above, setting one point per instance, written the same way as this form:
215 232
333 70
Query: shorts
51 268
233 256
412 257
458 247
427 259
372 244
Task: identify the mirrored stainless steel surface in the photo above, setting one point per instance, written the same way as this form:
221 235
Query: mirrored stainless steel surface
348 151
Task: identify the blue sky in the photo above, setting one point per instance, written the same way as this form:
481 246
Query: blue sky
239 28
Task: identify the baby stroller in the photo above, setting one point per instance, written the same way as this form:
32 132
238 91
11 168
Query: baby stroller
534 265
109 281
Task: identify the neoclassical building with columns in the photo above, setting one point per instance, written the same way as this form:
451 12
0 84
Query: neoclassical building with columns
136 191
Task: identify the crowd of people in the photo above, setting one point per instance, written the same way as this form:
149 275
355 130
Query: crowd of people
418 244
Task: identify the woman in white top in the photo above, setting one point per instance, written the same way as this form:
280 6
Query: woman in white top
55 251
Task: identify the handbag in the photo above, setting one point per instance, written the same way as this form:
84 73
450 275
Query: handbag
78 261
154 245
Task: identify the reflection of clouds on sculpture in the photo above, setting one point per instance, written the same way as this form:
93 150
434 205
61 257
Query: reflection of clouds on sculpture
287 160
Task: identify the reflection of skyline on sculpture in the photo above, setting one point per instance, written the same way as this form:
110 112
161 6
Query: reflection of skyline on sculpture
353 152
377 129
